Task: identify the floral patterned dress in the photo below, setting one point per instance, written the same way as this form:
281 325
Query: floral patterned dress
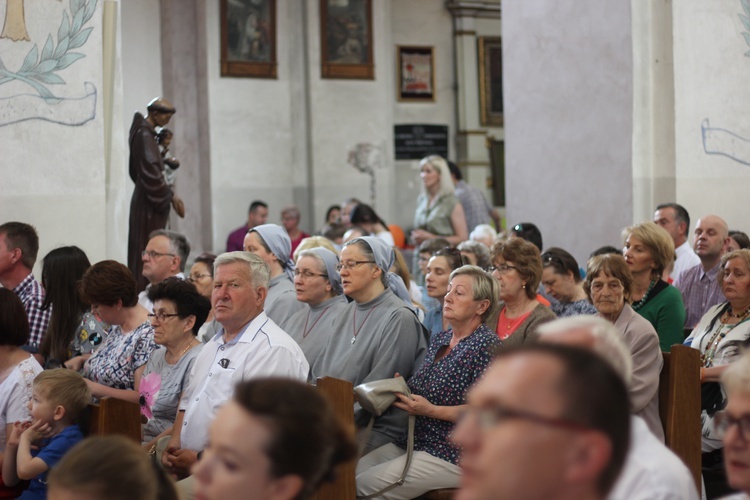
445 383
115 362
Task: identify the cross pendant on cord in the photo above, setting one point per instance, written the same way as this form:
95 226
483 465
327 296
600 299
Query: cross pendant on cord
354 339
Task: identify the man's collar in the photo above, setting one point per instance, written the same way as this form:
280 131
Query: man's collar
253 326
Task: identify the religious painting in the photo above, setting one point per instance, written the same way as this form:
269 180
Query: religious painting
491 81
248 38
346 39
416 74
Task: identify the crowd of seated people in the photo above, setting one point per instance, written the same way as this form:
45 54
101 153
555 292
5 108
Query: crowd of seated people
195 351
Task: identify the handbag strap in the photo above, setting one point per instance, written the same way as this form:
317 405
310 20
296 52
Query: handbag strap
409 453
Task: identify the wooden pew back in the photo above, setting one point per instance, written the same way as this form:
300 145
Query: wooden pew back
680 406
115 416
340 393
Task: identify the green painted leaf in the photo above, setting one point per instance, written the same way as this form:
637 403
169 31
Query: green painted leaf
75 5
77 22
62 47
80 38
2 66
49 78
30 60
746 6
45 66
48 50
745 21
68 59
64 29
89 11
747 38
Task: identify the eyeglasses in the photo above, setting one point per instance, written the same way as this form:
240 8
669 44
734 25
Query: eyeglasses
501 269
154 255
162 317
490 417
195 277
307 274
723 421
351 264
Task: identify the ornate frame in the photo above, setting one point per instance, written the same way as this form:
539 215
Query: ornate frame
331 27
248 67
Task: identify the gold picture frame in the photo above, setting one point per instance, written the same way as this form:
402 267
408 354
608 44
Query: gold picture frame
346 39
491 81
248 38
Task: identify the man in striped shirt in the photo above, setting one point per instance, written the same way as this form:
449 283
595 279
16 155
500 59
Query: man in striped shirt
19 245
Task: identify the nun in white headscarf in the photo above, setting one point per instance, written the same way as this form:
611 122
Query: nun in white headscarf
318 284
376 335
271 243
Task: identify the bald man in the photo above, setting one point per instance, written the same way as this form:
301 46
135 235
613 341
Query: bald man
699 285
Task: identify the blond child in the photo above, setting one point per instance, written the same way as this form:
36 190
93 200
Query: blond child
59 398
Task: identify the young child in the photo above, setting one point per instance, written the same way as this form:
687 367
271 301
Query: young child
59 397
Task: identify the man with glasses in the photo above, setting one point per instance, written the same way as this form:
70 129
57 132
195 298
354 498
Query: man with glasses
165 255
733 426
546 422
248 345
651 470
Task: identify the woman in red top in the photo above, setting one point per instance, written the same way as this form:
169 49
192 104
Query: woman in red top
517 266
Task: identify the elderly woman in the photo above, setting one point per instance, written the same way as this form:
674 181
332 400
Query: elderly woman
318 284
648 251
732 425
18 373
276 439
720 336
202 276
314 242
439 213
484 234
439 270
561 278
608 285
179 312
272 244
455 359
376 335
476 253
116 367
517 266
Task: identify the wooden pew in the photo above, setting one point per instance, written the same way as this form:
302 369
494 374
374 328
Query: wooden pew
340 393
680 406
115 416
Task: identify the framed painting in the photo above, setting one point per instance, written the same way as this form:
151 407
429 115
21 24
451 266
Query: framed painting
248 38
416 73
491 81
346 39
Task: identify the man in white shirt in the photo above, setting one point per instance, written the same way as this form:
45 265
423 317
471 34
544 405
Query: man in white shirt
165 256
676 221
651 470
249 345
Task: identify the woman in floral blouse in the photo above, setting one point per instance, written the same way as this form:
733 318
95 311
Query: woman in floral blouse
115 369
455 359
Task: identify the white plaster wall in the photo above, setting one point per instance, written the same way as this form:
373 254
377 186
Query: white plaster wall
711 75
568 119
53 175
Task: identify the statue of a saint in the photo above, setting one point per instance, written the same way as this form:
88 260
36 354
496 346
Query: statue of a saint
153 196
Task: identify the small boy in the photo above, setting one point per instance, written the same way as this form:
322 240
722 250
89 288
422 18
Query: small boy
59 397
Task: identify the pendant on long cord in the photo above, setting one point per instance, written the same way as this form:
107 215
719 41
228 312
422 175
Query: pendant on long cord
354 339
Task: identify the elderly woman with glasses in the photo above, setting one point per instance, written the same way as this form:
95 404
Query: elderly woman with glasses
517 266
561 278
437 279
115 369
456 358
318 284
608 285
179 312
272 244
202 276
376 335
732 426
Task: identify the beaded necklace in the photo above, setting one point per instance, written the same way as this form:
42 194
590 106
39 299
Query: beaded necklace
644 299
708 357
